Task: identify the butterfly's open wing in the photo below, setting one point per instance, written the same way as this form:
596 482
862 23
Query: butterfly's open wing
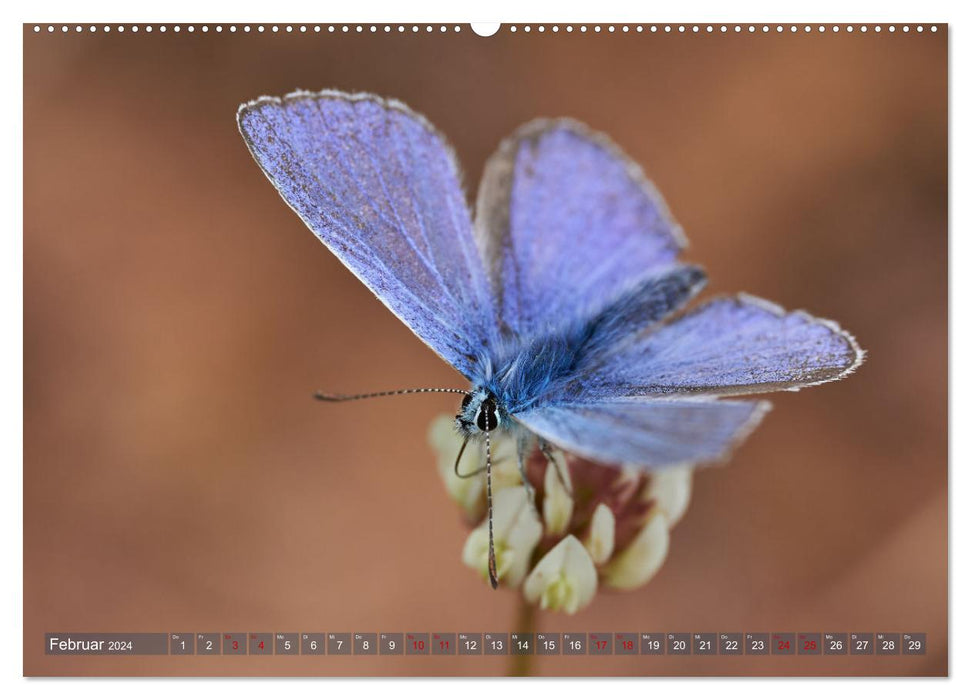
650 400
574 236
380 187
651 434
727 346
567 223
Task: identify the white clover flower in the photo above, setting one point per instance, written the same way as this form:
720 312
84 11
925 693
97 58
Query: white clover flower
558 504
600 541
641 559
565 579
600 525
516 530
671 490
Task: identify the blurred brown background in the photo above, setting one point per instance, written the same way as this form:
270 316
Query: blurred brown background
179 478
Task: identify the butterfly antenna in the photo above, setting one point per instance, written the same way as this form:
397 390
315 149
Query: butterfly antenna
323 396
493 575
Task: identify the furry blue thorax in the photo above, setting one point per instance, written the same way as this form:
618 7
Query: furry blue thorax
550 364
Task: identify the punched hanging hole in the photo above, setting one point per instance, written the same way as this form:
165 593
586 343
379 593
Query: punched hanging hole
485 28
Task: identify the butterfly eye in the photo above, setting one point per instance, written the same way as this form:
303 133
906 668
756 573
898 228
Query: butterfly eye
467 400
487 418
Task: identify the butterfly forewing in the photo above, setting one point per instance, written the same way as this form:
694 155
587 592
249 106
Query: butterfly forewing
379 186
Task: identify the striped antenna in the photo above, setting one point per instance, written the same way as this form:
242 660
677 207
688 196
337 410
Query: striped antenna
322 396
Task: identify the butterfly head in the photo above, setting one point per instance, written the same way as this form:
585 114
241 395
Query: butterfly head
479 413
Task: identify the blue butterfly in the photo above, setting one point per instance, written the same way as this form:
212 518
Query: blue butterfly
560 302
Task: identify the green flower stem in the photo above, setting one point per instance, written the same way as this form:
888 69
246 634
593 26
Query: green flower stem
525 624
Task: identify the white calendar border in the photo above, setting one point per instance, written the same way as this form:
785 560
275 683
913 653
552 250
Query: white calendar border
602 11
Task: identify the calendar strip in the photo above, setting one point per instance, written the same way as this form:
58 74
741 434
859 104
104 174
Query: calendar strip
770 644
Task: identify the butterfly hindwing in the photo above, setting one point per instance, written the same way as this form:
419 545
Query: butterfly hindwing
649 434
380 187
638 311
727 346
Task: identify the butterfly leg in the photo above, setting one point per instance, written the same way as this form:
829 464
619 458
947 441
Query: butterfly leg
522 450
550 457
458 458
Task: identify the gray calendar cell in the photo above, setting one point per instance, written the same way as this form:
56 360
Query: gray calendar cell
731 643
756 643
861 643
416 644
260 644
338 643
208 643
678 643
182 643
783 643
313 643
600 644
835 643
234 644
470 643
809 644
392 643
286 643
914 643
574 643
443 643
521 644
652 643
625 643
704 643
887 644
496 643
547 643
365 644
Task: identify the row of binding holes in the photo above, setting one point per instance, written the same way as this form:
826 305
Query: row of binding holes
286 28
718 28
373 28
